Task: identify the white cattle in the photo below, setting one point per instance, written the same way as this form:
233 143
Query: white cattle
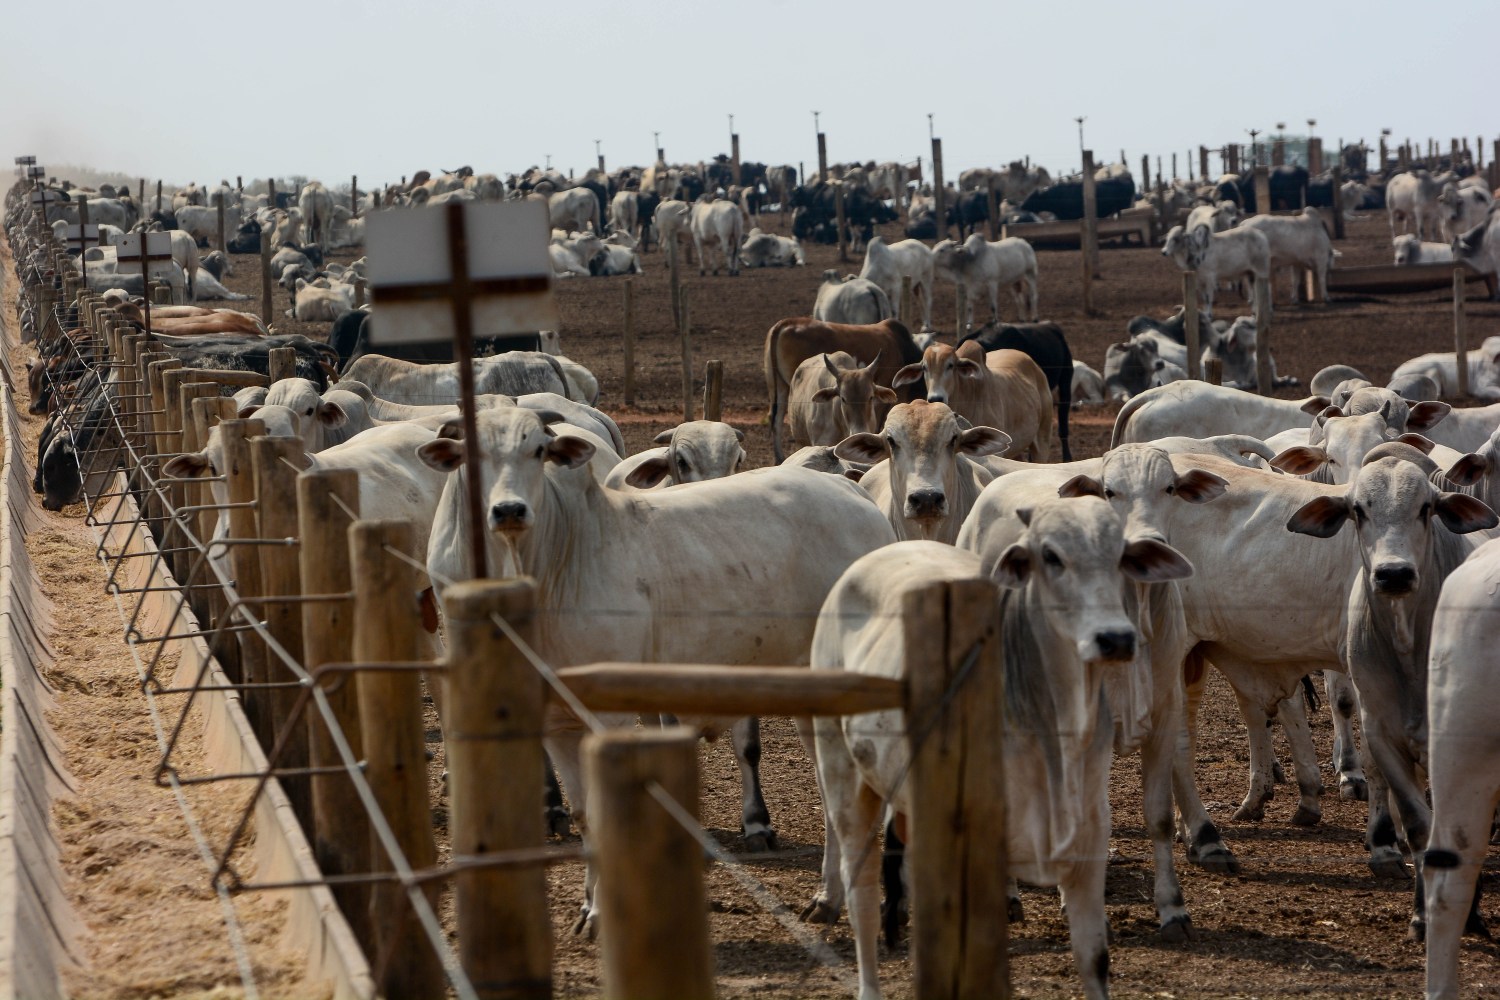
575 209
1461 209
514 373
1088 385
1002 389
313 302
1061 605
692 452
1165 372
1480 246
1411 251
1442 368
717 225
850 300
985 267
1300 242
821 458
316 206
665 576
1413 197
1463 753
1328 379
832 396
205 286
612 260
571 255
672 223
769 250
624 211
921 476
1215 257
886 265
1217 217
1200 409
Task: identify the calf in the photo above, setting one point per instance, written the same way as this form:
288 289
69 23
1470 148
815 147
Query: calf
1215 257
984 267
832 396
886 266
1300 242
693 452
1411 251
1005 390
1045 344
851 300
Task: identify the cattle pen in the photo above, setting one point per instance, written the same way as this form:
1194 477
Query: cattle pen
403 868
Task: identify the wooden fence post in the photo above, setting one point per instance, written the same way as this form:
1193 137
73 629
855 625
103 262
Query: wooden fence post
1262 190
650 890
504 929
1461 331
1213 371
961 307
1146 173
734 156
239 478
1089 232
674 273
282 363
838 211
222 245
265 277
992 208
1264 383
386 629
1203 163
1190 324
939 194
629 342
959 930
158 196
341 828
908 308
1338 201
822 160
280 576
713 391
354 196
685 336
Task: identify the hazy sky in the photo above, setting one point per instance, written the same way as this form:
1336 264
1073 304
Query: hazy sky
329 88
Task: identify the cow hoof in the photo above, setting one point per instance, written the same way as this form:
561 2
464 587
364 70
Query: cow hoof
1217 859
819 911
1416 931
760 842
559 823
1178 930
1278 774
1389 866
1014 911
1353 789
1306 817
585 926
1248 813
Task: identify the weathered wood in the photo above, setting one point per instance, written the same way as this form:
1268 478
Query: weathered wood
939 193
1337 175
275 461
1213 371
1203 163
674 276
354 196
1315 158
341 827
222 244
387 628
207 413
239 480
628 342
650 890
1145 172
1131 223
1190 324
685 339
496 696
1262 190
713 391
1265 384
1461 331
1089 233
959 931
822 160
282 363
734 156
265 277
1392 279
961 309
838 211
705 689
908 310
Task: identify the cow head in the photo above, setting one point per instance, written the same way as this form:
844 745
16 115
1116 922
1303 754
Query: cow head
942 366
695 452
921 442
1141 485
854 392
1345 443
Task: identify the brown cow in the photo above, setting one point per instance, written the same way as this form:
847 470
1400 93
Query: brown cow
792 341
1003 389
200 323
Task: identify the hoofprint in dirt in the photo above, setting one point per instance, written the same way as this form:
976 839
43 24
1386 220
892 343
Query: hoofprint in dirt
153 925
1304 916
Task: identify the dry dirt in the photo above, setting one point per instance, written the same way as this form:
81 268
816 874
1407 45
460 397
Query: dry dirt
1304 917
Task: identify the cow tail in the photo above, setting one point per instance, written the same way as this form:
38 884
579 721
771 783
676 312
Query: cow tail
1122 419
772 338
1309 693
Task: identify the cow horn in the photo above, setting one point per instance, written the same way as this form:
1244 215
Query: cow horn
452 429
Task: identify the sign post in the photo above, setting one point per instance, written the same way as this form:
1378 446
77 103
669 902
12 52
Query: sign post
81 237
439 274
149 253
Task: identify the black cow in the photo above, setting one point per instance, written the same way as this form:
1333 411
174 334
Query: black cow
246 239
815 214
87 428
1045 344
1065 200
1174 326
349 339
1288 185
251 354
971 211
164 218
645 209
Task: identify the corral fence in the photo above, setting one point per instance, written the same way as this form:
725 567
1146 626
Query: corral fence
297 630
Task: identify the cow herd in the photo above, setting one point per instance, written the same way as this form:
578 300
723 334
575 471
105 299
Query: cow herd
1348 534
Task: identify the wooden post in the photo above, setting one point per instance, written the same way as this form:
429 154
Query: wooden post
1213 371
341 828
387 628
1338 200
1190 324
961 309
992 208
1174 166
239 477
685 336
734 156
1461 331
675 279
265 277
1314 156
1088 243
629 342
282 363
1146 173
1479 152
908 309
270 192
1264 383
650 890
1495 165
959 931
939 194
496 696
713 391
354 196
822 159
158 196
1278 153
222 244
140 197
1203 163
838 210
280 576
1262 190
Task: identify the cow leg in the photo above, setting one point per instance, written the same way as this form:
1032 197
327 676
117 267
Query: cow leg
558 820
1156 783
829 901
702 261
1200 834
1293 715
1385 858
1082 890
851 810
1031 297
1262 755
1341 708
994 288
1461 815
756 819
564 748
1399 770
926 304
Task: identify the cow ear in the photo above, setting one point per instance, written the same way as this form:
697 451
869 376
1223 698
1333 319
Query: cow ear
665 437
1300 460
1199 486
1468 470
569 452
442 453
1013 567
452 430
1320 518
1150 561
866 449
854 475
978 441
186 466
972 350
1316 404
1425 415
911 373
650 472
885 395
332 415
246 412
830 393
1462 513
968 368
1417 441
1081 486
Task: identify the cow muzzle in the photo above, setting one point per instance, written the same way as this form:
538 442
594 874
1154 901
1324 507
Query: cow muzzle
1394 579
509 517
926 505
1113 646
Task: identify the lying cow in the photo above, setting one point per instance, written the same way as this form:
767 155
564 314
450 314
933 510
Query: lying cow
692 452
769 250
1442 368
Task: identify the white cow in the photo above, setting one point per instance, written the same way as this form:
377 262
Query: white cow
1217 217
668 576
1414 197
850 300
1442 368
1201 409
1088 385
985 267
1410 251
571 255
314 302
575 209
1463 752
672 223
514 373
1300 242
717 225
1461 209
832 396
316 206
624 212
769 250
692 452
886 265
1227 256
1061 604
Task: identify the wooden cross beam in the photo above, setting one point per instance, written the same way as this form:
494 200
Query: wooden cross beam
144 259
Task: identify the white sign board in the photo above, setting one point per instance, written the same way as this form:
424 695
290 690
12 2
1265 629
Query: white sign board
509 271
158 253
80 236
42 196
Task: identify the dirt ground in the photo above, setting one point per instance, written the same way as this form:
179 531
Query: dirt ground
1305 916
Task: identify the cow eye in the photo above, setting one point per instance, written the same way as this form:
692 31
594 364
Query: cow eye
1051 558
891 443
1425 512
1171 490
308 413
1359 513
540 450
1109 494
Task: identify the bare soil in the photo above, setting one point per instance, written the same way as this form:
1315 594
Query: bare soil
1305 916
